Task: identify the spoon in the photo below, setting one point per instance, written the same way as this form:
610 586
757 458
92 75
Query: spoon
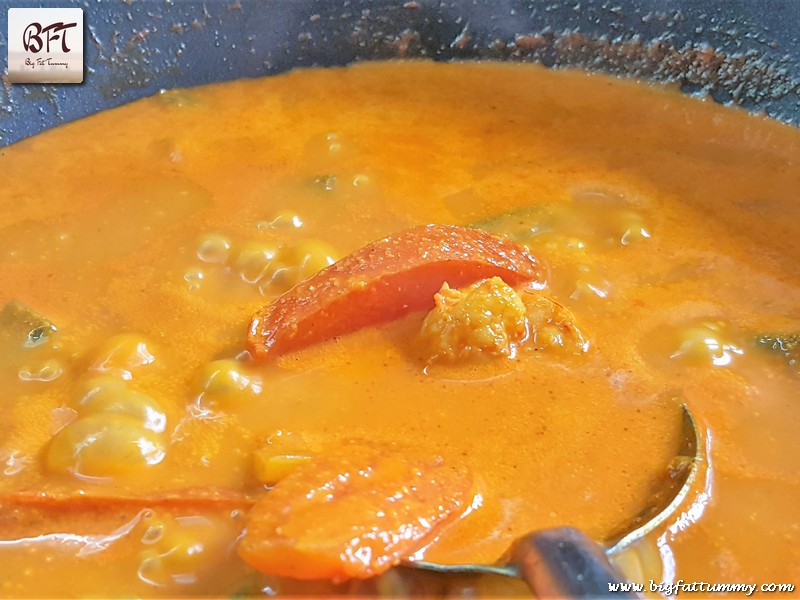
564 562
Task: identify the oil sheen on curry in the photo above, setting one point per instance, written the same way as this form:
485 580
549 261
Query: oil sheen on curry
280 336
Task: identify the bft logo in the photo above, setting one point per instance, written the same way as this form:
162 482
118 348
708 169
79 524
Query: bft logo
32 36
45 45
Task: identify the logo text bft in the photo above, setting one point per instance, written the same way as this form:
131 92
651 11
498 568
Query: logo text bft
32 36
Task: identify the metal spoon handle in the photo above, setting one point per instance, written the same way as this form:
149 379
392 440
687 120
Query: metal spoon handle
562 562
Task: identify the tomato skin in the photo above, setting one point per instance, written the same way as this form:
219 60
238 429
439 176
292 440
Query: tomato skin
385 280
352 515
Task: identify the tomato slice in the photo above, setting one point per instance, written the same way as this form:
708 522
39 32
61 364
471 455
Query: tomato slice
385 280
23 513
353 515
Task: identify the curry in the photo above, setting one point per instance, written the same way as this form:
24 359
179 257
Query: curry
196 403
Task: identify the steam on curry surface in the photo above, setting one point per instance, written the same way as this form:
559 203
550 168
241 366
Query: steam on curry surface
651 246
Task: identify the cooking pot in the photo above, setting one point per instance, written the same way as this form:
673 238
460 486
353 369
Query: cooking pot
739 53
736 52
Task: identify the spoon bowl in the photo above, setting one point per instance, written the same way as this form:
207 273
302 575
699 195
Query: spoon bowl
562 561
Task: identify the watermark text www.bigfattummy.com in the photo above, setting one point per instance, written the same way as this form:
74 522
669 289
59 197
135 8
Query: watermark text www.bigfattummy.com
705 587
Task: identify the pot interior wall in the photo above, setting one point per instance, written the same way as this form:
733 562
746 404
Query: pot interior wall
737 53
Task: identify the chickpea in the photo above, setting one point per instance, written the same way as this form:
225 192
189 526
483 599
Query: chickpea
632 228
606 218
698 342
310 256
295 263
589 285
123 354
125 402
253 260
284 219
360 180
279 278
270 468
226 382
705 341
180 549
104 445
154 529
283 452
99 384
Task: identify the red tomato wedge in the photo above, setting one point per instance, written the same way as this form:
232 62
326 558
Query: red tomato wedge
383 281
193 498
22 513
352 516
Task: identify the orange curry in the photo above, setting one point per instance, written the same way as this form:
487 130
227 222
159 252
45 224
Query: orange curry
280 335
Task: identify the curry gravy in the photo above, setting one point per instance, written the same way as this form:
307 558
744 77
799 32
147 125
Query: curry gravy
150 234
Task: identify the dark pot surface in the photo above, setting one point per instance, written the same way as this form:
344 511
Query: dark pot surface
737 51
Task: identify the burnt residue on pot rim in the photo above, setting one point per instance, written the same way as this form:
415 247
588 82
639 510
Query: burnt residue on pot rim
744 53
